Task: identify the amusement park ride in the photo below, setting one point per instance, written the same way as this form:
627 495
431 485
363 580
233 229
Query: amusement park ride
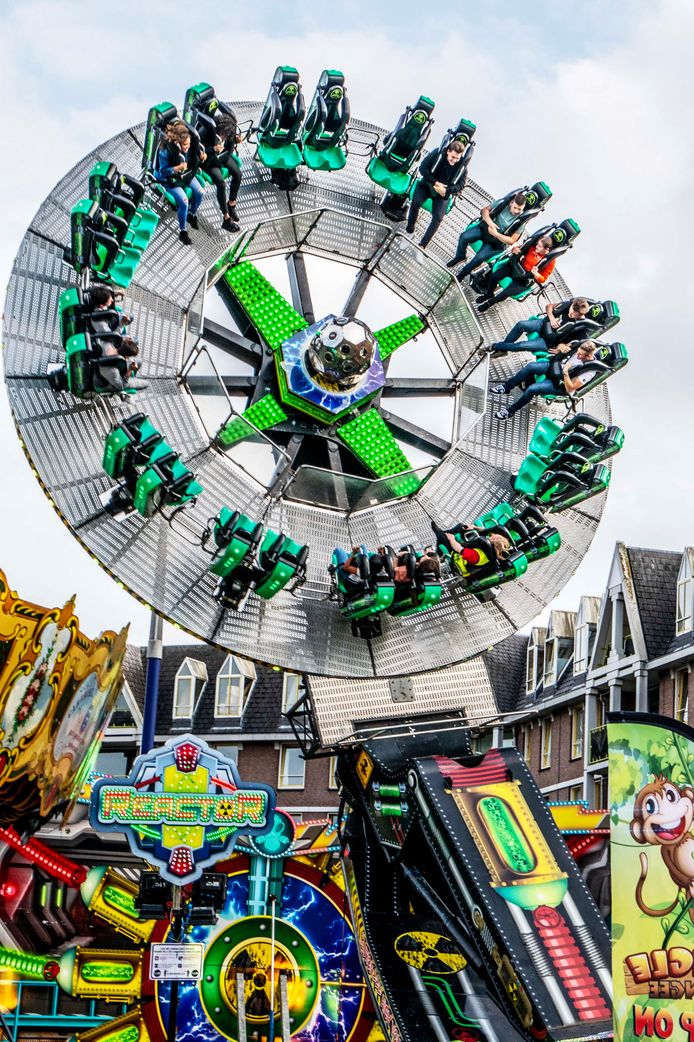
226 495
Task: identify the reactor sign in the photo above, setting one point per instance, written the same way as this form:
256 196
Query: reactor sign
181 808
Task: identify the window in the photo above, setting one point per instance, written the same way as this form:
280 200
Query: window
545 743
481 743
550 676
599 792
230 689
292 772
332 768
526 742
681 694
576 793
291 692
122 715
685 595
576 732
534 665
583 642
113 763
190 680
231 752
600 712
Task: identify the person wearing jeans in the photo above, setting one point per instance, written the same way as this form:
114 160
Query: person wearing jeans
495 234
557 378
176 164
548 327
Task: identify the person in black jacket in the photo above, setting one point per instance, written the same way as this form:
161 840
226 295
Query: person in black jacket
220 146
441 176
561 322
177 161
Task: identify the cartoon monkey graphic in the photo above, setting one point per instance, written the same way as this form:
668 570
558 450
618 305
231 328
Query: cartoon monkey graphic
663 816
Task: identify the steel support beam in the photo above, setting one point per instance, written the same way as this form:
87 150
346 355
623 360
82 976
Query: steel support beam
202 385
298 283
404 387
233 343
411 434
356 294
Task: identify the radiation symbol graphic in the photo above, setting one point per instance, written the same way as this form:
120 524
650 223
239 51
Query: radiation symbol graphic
430 952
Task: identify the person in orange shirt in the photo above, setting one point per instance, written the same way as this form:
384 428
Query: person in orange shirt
523 266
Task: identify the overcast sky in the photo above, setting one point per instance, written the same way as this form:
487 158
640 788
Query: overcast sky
594 98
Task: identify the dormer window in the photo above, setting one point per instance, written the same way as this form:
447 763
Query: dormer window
685 595
190 680
231 687
229 690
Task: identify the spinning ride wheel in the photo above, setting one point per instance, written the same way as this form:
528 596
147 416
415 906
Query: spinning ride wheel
373 468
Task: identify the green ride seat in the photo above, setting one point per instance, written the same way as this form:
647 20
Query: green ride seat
280 122
532 534
70 313
78 360
464 133
608 359
581 433
397 182
498 515
537 196
165 482
237 538
529 475
363 605
94 246
566 485
391 168
157 119
130 445
122 195
544 436
325 130
81 375
494 573
416 594
563 236
280 559
199 109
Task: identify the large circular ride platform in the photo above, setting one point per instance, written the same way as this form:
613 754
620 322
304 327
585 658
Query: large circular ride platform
469 464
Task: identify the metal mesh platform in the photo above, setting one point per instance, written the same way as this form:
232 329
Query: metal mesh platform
334 216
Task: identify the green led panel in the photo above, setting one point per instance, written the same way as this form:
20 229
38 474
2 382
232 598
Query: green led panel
264 413
372 441
272 316
391 337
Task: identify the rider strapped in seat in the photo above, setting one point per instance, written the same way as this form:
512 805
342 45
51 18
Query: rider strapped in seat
526 265
484 557
499 225
364 586
217 126
99 354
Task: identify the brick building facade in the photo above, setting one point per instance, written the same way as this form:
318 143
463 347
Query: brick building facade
632 648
